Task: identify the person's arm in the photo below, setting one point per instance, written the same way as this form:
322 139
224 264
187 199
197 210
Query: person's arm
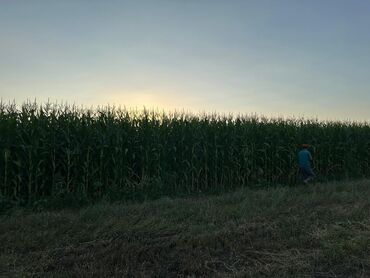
311 160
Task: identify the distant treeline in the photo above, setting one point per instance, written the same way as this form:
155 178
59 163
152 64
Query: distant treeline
49 150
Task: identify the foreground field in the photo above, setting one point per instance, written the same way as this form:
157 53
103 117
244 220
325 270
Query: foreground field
318 231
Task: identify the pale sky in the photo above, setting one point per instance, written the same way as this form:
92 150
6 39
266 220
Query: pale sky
273 57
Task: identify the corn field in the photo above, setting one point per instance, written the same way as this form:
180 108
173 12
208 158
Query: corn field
52 149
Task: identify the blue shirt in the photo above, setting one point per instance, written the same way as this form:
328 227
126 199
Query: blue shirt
304 157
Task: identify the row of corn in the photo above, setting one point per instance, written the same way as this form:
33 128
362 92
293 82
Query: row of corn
60 149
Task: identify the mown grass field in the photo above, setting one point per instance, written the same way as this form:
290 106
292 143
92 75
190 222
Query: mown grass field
320 230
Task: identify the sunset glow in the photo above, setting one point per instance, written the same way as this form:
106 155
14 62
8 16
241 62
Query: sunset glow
302 58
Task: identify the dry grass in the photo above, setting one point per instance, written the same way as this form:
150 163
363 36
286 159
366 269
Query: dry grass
318 231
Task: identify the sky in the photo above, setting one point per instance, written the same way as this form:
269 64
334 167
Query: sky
286 58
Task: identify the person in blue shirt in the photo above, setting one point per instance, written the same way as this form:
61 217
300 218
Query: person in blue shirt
305 164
